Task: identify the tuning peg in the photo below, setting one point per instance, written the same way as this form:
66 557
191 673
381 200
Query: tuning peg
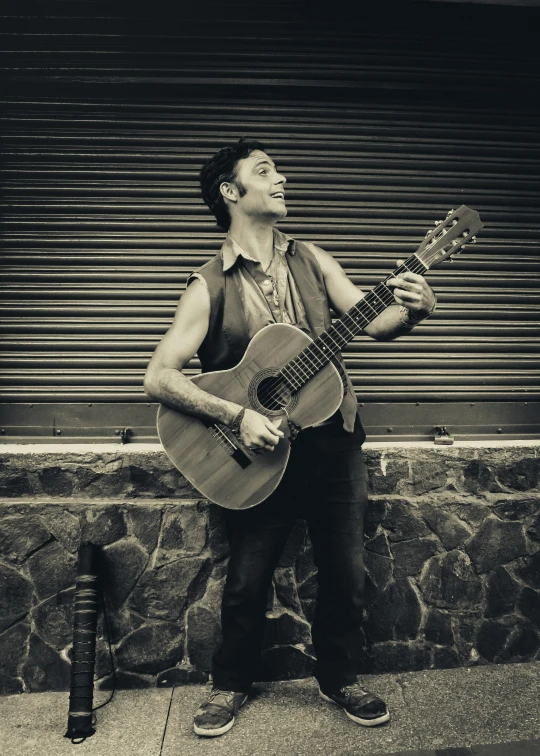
473 240
438 223
428 233
450 213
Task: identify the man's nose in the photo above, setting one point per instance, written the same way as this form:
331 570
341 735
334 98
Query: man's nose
281 179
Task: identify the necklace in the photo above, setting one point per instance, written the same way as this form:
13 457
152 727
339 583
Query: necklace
272 273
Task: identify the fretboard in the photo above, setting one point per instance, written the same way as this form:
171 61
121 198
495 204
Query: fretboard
305 365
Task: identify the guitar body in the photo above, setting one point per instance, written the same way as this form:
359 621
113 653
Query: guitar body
211 458
308 391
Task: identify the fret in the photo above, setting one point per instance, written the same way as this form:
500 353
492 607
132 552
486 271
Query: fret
381 300
305 365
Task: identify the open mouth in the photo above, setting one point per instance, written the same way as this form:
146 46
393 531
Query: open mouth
278 195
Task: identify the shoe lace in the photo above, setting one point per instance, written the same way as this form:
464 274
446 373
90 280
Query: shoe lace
355 689
221 697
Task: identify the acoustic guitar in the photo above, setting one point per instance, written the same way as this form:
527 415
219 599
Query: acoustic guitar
285 373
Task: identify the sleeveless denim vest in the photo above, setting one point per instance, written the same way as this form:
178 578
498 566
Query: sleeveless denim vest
227 337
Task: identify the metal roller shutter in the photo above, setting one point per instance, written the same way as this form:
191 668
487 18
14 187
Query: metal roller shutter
102 219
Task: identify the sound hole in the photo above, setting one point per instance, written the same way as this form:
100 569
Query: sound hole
273 394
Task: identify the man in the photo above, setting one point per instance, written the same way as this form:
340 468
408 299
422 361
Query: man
262 276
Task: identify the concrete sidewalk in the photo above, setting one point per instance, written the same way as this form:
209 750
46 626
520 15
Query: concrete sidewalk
431 711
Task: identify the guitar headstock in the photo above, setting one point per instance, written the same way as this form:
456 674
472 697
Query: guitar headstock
449 236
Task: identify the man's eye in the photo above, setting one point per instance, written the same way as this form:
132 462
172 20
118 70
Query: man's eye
264 171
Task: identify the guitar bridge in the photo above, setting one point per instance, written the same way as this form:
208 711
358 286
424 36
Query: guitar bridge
222 435
294 430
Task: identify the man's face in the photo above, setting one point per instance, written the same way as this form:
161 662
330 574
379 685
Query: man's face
262 188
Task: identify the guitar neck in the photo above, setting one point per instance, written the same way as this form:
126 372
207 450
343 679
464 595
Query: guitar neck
305 365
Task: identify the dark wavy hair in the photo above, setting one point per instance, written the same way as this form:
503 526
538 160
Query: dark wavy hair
222 167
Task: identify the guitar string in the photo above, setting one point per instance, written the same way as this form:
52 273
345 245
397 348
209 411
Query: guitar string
385 298
309 354
314 362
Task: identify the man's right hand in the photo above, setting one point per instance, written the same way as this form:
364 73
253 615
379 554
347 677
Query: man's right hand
258 432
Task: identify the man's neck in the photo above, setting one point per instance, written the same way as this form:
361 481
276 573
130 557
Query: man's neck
257 240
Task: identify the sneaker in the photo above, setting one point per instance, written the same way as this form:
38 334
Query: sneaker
216 714
359 704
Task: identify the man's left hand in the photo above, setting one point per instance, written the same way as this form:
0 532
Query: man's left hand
413 292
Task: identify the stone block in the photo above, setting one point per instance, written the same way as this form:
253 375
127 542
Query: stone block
287 589
521 475
120 621
162 593
445 658
428 475
496 542
410 556
14 484
491 639
308 609
148 482
533 531
529 605
379 569
15 596
502 592
386 478
530 571
183 533
52 570
285 628
53 619
379 545
375 514
125 561
438 628
471 512
402 521
20 535
44 668
522 644
448 581
10 686
56 482
516 509
451 531
304 566
64 526
103 525
395 656
395 614
13 648
203 633
151 648
145 524
309 588
478 477
286 663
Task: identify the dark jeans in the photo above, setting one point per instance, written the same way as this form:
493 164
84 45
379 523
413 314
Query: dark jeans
325 484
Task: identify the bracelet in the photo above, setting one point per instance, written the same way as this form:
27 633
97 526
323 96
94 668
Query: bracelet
237 422
409 319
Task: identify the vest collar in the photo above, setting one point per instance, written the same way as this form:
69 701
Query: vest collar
231 250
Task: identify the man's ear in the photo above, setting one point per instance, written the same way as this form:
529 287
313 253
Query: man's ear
229 191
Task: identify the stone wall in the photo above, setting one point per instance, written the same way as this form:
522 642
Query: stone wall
452 553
